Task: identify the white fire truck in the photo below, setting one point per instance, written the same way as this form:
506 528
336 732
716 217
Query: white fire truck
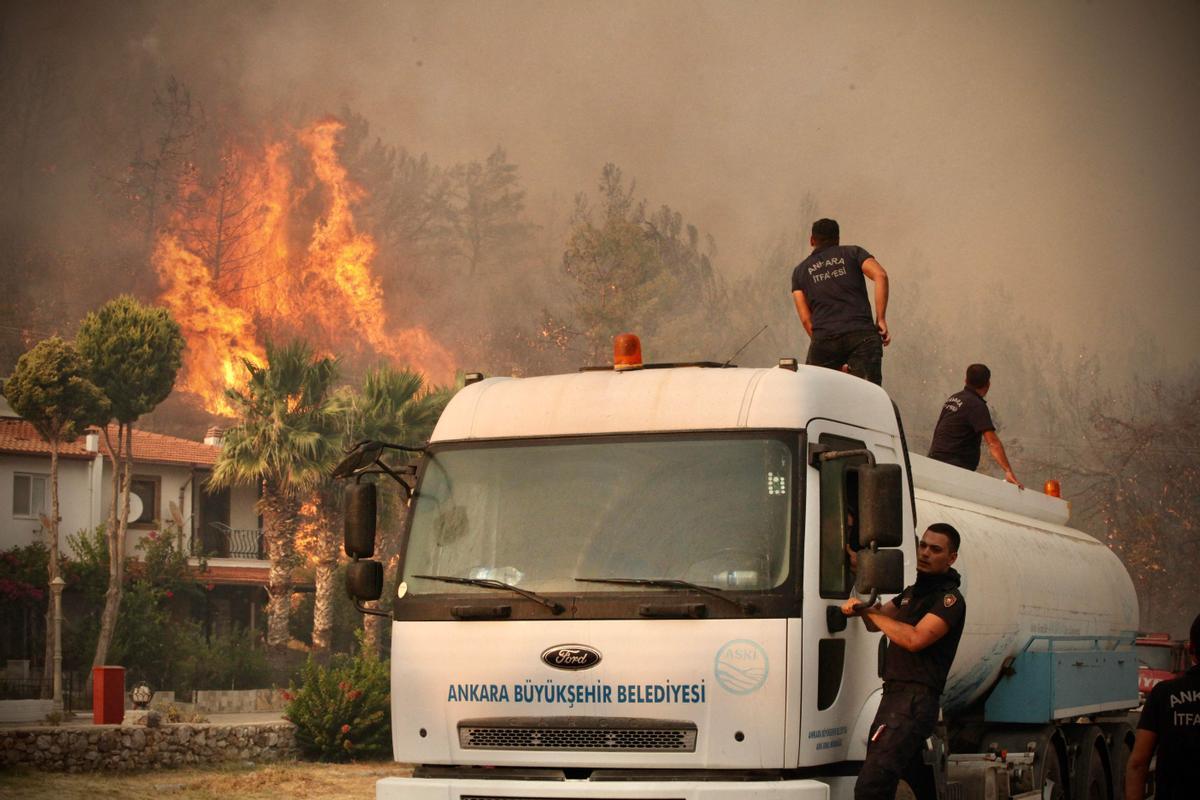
625 583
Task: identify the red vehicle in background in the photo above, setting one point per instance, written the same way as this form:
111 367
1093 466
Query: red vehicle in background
1160 658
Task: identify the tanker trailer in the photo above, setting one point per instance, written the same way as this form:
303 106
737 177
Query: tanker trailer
1045 662
626 583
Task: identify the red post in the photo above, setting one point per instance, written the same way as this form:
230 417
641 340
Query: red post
108 695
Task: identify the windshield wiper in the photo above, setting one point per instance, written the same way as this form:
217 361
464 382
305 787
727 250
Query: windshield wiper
488 583
673 583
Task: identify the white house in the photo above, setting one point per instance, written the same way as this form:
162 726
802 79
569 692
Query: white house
219 529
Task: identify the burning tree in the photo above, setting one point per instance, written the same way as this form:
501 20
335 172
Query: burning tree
220 218
408 210
270 247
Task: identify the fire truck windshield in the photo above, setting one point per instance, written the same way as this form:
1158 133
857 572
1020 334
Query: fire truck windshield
715 510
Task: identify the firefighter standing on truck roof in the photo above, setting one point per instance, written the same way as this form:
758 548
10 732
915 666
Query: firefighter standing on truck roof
923 625
831 299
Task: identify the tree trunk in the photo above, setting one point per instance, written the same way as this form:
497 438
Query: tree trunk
372 631
322 632
51 526
278 531
327 558
114 534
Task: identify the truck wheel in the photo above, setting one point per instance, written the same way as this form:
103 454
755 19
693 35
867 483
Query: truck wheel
1052 771
1121 737
1091 781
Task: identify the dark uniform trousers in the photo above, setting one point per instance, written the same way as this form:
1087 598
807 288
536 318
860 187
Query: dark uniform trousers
862 351
907 716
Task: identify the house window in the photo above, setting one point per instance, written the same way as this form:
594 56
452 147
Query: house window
146 490
29 494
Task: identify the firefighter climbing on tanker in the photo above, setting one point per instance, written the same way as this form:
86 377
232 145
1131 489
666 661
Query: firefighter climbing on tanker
923 625
965 421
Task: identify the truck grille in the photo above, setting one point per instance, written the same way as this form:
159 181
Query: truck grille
578 733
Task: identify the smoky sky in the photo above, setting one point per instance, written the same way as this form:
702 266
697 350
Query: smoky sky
1042 151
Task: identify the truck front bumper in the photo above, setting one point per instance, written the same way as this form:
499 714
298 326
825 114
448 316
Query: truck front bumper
443 789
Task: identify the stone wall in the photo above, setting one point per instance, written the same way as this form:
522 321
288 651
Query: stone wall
128 747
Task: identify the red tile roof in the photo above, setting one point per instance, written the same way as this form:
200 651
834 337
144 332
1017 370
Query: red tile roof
158 448
18 437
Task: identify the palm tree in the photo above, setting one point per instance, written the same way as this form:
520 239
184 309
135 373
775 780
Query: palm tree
392 406
286 441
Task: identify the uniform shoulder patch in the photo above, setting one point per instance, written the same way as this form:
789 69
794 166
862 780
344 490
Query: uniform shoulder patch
949 600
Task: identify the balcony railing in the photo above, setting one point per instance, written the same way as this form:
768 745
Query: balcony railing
218 540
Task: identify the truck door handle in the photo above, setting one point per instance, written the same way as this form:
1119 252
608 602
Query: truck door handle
835 620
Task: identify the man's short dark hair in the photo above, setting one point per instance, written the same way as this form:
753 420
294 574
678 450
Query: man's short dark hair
1194 635
826 230
947 530
978 376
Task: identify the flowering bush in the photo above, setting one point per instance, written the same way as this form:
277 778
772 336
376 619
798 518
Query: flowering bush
340 711
23 575
20 592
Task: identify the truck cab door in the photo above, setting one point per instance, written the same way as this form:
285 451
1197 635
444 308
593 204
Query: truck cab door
840 659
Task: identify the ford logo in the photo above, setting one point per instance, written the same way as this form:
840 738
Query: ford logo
570 656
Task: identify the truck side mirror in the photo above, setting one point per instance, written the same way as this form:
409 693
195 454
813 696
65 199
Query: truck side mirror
880 505
880 572
360 507
364 580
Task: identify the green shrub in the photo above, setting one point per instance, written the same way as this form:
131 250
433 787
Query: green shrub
150 640
155 640
87 579
228 661
341 711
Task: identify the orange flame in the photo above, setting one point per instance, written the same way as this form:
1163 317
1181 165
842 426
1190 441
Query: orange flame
234 269
309 534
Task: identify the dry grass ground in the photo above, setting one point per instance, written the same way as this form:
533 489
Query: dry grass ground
299 780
